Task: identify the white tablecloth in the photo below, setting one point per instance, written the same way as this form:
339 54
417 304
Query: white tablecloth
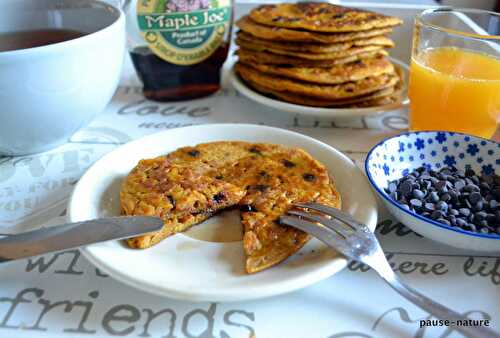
62 295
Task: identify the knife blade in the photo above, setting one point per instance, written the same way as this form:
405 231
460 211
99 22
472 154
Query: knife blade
73 235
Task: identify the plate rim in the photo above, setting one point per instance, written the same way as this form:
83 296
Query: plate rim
293 108
271 289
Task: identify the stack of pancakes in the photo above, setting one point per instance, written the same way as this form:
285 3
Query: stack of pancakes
318 54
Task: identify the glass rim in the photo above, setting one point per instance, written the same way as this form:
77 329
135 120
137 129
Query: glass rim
420 19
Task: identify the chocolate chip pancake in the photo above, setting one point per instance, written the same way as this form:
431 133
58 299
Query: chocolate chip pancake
326 92
307 55
180 195
284 34
266 58
330 75
316 48
377 98
262 180
320 17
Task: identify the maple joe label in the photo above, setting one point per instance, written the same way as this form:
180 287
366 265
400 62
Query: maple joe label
183 32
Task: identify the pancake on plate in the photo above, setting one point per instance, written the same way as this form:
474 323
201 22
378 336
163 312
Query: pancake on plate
188 185
320 17
250 56
284 34
327 92
309 56
316 48
353 71
380 97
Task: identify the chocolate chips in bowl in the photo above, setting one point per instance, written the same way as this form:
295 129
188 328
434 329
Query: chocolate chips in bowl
452 197
443 185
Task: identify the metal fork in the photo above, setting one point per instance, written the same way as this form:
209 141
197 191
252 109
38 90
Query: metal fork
354 240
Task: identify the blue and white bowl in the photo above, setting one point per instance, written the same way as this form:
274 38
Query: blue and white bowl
397 156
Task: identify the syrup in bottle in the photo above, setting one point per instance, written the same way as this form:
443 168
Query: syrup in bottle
178 47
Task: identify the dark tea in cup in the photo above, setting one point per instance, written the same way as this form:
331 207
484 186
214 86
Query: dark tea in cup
37 38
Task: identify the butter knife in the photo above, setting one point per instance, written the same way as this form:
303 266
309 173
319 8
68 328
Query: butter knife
73 235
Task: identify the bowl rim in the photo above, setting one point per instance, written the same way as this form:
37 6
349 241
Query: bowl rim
383 194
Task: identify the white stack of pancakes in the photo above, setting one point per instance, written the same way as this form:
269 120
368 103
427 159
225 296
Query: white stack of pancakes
318 54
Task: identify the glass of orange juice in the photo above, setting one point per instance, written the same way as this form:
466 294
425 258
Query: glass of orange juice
455 71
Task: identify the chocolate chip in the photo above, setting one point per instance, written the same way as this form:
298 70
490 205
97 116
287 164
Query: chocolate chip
309 177
470 227
478 206
394 195
480 215
459 185
416 203
255 150
405 206
475 197
434 197
452 219
429 207
471 188
392 187
489 179
437 214
405 187
219 177
464 211
442 205
484 230
219 197
484 186
441 186
171 200
418 194
493 204
193 153
443 220
469 173
288 164
446 197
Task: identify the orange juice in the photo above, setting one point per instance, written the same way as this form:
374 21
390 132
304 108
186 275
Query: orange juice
456 90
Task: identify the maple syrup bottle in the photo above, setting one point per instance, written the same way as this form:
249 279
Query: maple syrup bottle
178 47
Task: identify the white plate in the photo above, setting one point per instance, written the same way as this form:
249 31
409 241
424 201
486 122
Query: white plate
241 87
189 268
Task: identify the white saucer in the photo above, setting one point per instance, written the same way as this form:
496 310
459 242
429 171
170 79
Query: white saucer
241 87
193 266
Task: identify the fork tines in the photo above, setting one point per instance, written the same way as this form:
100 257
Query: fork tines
306 215
334 213
333 227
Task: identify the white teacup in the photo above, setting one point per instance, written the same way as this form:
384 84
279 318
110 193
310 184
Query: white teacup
47 93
